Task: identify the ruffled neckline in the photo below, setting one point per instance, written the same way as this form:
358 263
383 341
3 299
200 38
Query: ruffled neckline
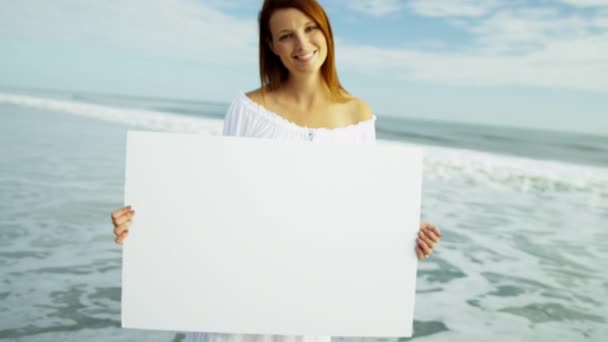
280 120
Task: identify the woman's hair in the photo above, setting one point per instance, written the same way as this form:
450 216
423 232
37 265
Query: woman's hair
272 71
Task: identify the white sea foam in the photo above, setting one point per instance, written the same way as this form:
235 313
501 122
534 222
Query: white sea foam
441 163
140 118
518 173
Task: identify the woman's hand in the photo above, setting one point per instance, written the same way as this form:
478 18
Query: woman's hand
121 218
428 237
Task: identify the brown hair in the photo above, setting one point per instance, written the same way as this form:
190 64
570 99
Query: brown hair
272 71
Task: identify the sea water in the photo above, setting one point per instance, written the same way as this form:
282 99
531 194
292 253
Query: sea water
524 253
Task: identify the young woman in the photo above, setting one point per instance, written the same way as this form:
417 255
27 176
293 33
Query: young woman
300 98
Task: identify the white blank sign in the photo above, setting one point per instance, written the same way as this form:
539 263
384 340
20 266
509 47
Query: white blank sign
256 236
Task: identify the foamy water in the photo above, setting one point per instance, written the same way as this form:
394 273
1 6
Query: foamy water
145 119
523 256
440 163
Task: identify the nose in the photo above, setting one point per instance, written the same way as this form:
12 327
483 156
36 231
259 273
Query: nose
301 41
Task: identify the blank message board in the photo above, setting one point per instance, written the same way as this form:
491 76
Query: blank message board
257 236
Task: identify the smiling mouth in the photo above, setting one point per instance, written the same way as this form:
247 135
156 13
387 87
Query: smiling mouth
307 57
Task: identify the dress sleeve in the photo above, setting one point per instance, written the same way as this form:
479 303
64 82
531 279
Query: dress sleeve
233 120
368 135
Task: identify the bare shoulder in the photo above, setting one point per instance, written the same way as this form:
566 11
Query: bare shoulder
256 96
359 109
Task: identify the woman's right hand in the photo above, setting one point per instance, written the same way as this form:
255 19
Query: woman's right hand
121 218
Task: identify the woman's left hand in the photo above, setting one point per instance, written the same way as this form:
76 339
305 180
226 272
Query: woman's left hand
428 237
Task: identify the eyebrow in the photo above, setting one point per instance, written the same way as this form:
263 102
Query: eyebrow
308 23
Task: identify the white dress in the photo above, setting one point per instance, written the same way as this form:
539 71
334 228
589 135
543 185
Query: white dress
245 118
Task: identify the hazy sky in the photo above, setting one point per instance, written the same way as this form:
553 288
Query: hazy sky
513 62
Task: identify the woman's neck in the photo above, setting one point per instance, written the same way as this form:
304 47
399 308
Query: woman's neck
306 90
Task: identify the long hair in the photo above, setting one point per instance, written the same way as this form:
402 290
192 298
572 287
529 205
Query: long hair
272 71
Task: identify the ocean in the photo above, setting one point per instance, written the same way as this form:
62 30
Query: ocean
524 213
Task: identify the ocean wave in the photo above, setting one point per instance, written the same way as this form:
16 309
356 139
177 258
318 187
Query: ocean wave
441 163
141 118
517 173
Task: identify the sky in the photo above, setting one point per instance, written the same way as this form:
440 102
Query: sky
539 64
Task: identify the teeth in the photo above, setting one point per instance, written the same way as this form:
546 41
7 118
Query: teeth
305 56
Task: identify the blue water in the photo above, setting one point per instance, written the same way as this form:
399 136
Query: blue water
523 212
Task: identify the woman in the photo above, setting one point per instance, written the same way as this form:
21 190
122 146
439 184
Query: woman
299 81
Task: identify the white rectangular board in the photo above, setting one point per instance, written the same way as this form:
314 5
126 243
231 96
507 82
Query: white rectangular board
257 236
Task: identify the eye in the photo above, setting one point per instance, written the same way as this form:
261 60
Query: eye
311 28
285 36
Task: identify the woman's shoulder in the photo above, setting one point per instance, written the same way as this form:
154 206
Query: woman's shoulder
242 113
358 108
246 102
256 96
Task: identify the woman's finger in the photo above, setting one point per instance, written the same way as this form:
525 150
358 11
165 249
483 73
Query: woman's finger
120 239
425 248
122 228
119 212
123 218
428 226
435 230
425 237
431 235
419 253
428 242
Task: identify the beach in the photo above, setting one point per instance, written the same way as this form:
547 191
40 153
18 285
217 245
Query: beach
523 214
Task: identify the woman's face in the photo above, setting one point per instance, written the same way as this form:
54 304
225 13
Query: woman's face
298 41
